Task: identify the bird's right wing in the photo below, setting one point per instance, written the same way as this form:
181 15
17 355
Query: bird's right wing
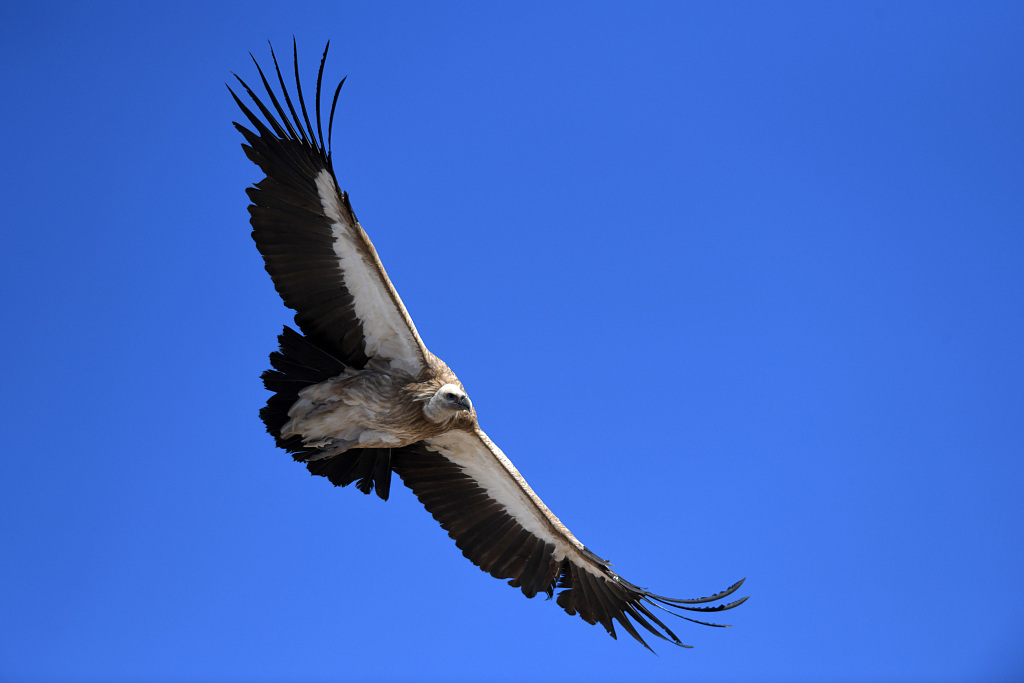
500 524
322 263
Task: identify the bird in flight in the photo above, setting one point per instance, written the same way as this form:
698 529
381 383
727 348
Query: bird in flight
357 395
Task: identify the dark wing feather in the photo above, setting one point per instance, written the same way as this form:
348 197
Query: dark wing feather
486 529
322 264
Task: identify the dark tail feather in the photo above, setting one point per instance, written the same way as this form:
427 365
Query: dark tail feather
370 468
297 364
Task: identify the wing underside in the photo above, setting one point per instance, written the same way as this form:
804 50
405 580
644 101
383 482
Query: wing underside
501 526
322 263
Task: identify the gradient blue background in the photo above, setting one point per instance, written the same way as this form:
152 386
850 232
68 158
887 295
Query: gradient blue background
739 287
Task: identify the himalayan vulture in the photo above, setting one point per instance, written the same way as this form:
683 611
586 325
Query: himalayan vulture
357 395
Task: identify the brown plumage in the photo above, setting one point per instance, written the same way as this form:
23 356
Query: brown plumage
377 408
357 395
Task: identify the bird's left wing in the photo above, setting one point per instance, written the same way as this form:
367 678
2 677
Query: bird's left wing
500 524
322 263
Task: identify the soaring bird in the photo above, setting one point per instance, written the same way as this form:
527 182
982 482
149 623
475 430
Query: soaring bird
357 395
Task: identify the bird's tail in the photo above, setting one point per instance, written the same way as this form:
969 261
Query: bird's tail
300 363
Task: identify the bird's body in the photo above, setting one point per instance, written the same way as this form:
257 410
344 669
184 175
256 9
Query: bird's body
357 395
376 409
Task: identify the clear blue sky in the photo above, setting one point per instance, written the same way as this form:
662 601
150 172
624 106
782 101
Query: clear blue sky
764 264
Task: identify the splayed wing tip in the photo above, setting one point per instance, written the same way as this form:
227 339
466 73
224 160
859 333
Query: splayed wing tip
698 601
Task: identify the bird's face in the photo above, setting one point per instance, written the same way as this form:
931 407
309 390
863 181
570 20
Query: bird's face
455 399
446 403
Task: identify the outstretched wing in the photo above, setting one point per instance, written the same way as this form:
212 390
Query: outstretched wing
500 524
322 263
326 269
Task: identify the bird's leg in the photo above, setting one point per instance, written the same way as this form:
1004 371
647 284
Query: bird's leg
328 448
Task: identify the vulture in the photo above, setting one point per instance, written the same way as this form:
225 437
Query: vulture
357 395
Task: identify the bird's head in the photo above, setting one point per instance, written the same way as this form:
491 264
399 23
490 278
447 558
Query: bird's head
447 402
